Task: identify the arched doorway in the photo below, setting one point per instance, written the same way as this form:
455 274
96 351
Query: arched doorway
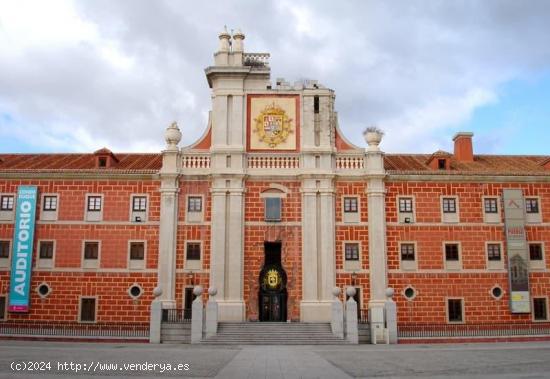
273 294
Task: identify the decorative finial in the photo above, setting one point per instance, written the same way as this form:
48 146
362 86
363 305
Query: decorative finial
238 38
172 136
224 39
373 136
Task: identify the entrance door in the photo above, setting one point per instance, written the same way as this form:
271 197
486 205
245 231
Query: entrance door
273 294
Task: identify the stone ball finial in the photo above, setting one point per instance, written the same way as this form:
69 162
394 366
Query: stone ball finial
350 291
198 290
212 291
389 292
336 291
172 136
157 291
373 136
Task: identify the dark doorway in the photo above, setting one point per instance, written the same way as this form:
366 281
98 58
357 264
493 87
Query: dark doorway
188 299
273 294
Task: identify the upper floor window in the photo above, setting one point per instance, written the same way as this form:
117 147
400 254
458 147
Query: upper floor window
452 252
46 250
407 252
540 313
491 205
272 209
351 251
91 250
535 252
139 203
137 251
193 251
194 204
50 203
449 205
350 204
405 205
6 202
4 249
532 205
94 203
493 252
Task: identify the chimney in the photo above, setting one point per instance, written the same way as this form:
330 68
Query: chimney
464 151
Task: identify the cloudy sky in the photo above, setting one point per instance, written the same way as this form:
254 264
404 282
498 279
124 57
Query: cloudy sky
80 75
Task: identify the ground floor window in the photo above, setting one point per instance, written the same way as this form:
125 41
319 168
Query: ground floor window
540 313
87 309
454 310
2 307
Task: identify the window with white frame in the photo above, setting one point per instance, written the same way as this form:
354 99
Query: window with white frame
139 203
493 252
193 255
194 204
449 205
350 205
351 251
407 252
405 207
49 203
137 254
532 210
94 204
91 254
536 256
452 256
6 202
94 207
272 208
490 205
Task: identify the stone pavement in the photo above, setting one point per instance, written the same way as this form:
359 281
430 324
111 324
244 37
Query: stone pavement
96 360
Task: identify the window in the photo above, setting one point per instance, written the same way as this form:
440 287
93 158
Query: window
535 252
407 252
491 205
137 251
194 204
352 251
272 209
91 250
46 250
102 162
94 203
350 204
532 205
6 203
87 309
449 205
540 312
315 104
451 252
441 164
50 203
139 203
4 249
493 252
454 310
405 205
193 251
2 307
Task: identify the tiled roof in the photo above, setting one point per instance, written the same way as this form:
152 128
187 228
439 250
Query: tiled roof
482 164
131 163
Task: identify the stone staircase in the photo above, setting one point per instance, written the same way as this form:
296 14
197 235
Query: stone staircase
175 332
273 333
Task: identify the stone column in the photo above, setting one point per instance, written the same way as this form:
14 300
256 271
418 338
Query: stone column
310 293
328 255
376 192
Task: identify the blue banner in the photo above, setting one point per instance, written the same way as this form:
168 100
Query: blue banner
21 259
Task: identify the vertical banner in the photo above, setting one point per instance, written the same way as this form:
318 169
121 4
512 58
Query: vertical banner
23 238
518 266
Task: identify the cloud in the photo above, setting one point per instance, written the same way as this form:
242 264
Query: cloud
81 75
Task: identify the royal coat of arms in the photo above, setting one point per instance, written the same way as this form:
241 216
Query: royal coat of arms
273 125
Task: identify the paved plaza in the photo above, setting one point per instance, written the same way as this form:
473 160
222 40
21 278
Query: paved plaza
98 360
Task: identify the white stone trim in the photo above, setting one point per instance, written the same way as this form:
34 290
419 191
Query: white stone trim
37 290
405 289
49 215
494 265
502 292
93 216
403 216
137 264
533 308
9 215
537 265
351 217
491 218
194 218
452 265
408 265
534 218
130 293
193 264
43 262
79 315
91 263
447 298
450 218
143 215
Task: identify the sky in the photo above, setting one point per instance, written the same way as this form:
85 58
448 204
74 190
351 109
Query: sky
76 76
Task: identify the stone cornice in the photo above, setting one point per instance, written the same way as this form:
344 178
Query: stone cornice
468 178
95 175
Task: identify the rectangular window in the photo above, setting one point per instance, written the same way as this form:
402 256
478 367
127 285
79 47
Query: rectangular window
350 204
454 309
491 205
493 252
87 309
4 249
451 252
449 205
532 205
194 204
535 252
441 164
405 205
540 312
46 250
272 209
139 203
94 203
91 250
6 203
193 251
50 203
137 251
352 251
407 252
2 307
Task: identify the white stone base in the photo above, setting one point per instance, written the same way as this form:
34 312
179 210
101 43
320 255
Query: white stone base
231 310
316 311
